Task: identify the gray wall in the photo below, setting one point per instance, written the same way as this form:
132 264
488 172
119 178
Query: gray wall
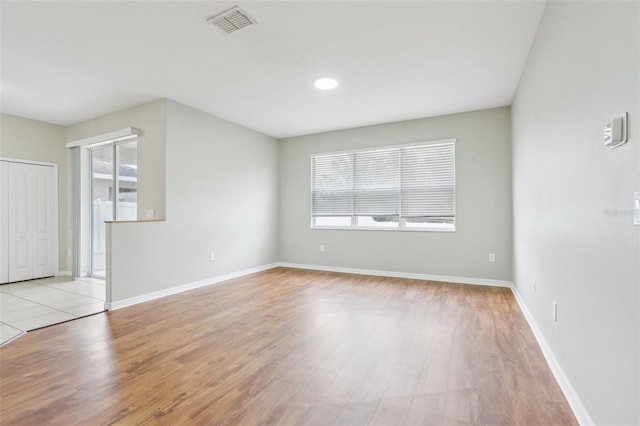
150 118
222 196
573 228
26 139
483 201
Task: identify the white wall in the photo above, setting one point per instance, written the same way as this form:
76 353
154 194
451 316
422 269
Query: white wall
26 139
150 118
483 201
573 225
222 196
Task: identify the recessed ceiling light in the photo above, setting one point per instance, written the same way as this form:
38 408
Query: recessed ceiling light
326 83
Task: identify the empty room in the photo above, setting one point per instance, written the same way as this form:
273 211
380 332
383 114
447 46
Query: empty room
320 212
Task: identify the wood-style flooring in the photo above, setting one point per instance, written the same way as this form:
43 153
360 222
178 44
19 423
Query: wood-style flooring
288 347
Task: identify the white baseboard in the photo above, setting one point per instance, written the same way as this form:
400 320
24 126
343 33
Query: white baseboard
394 274
579 410
118 304
63 274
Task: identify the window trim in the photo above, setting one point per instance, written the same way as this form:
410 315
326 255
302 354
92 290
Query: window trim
402 221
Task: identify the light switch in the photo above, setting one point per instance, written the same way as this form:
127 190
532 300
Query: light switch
150 214
636 208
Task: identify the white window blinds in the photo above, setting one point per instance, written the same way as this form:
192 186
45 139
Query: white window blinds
376 183
412 183
332 193
428 181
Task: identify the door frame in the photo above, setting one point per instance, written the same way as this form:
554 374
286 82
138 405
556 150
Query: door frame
77 195
54 206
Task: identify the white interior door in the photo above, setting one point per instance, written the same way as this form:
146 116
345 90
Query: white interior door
43 222
20 217
31 221
4 222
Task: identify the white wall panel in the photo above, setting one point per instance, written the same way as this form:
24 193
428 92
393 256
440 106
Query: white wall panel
573 200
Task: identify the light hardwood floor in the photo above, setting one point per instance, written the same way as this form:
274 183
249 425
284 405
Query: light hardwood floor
289 347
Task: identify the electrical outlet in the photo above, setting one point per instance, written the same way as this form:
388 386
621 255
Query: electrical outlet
555 311
535 286
212 256
492 257
322 248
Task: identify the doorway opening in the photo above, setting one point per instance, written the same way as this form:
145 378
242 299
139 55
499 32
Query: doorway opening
34 293
113 195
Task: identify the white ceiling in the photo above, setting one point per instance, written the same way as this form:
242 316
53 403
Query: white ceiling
66 62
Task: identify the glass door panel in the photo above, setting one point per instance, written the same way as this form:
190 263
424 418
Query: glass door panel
102 196
114 195
127 181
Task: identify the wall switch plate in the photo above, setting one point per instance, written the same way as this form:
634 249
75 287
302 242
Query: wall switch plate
212 256
492 257
322 247
636 208
150 214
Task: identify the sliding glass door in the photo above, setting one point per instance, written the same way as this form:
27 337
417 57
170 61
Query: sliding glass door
114 195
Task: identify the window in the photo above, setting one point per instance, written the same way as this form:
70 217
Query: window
409 188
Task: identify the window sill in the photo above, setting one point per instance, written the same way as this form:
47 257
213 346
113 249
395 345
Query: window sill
134 221
362 228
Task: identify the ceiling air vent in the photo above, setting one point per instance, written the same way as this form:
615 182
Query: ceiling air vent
232 20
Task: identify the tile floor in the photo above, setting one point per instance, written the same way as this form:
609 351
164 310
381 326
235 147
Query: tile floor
28 305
